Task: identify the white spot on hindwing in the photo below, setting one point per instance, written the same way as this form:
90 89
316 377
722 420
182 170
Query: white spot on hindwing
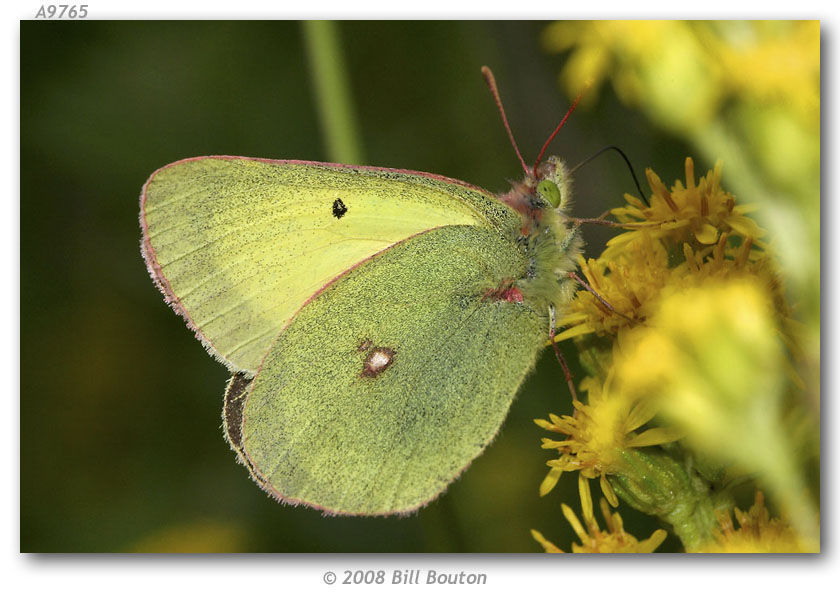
377 360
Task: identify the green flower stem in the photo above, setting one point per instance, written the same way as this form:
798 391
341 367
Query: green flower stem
332 92
654 483
784 479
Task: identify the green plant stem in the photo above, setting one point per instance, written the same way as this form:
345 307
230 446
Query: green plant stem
655 484
332 92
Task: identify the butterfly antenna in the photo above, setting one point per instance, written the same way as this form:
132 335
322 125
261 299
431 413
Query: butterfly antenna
626 161
563 122
491 83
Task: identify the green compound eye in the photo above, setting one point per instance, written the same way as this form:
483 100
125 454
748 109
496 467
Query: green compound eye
549 192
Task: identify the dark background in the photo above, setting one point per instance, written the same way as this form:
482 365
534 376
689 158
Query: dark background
120 440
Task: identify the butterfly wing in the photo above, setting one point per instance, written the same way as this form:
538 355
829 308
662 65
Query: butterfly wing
238 245
385 386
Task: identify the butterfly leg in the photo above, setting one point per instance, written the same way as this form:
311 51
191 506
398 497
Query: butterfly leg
588 288
552 318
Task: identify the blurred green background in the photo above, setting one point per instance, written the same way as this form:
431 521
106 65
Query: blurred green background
121 447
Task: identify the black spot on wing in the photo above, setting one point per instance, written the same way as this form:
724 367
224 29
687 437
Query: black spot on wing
338 208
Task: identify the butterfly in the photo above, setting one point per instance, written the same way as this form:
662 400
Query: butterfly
377 322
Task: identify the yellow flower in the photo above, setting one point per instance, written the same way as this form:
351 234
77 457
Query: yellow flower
687 322
724 263
757 532
593 540
696 213
747 92
684 71
630 282
715 345
745 50
712 362
689 236
596 432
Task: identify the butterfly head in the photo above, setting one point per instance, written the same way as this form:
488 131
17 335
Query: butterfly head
546 184
551 185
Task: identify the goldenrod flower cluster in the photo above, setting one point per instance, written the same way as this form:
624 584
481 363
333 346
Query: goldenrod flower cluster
746 92
757 532
593 539
691 353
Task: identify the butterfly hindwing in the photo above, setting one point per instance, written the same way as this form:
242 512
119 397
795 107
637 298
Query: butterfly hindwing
386 385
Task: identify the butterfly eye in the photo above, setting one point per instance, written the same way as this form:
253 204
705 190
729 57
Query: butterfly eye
549 192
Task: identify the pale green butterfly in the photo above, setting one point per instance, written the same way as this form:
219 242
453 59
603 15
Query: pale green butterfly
378 322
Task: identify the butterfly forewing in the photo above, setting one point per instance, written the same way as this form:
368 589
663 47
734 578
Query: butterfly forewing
239 245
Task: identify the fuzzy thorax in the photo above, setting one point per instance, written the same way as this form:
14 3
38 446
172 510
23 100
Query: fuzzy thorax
552 246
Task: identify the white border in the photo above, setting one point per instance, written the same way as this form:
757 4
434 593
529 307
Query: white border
288 575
